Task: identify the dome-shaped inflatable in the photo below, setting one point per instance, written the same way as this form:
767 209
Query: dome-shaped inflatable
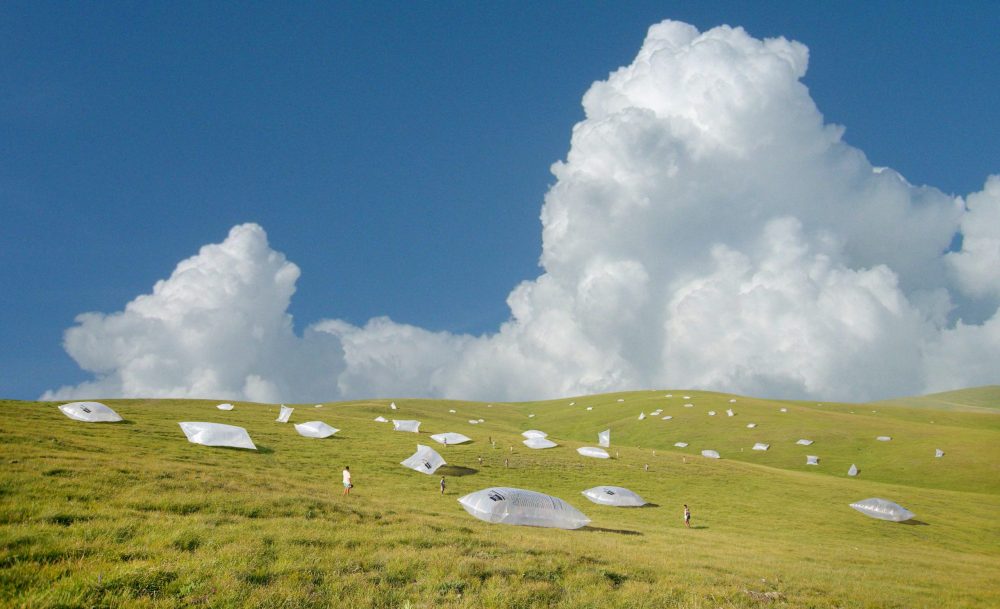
90 412
539 443
522 507
616 496
217 434
534 433
590 451
450 438
426 460
315 429
883 509
405 425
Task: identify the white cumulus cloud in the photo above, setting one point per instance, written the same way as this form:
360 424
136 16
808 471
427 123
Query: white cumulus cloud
707 229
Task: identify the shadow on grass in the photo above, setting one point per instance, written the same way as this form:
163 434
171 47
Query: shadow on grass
915 522
699 526
456 470
603 530
650 505
126 422
264 450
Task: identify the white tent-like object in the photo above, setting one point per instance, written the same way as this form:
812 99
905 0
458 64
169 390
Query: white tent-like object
521 507
804 442
732 401
452 410
596 453
534 433
812 460
761 446
315 429
284 414
616 496
667 418
642 415
381 419
884 438
621 399
751 425
711 454
590 407
225 406
406 425
604 438
883 509
426 460
473 422
450 438
783 409
711 413
392 405
853 471
938 453
538 443
217 434
482 420
681 444
90 412
730 413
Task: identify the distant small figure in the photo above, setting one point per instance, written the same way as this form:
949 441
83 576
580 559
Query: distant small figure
506 462
512 449
480 457
617 455
685 459
491 440
446 442
494 444
687 516
646 467
442 485
654 453
348 485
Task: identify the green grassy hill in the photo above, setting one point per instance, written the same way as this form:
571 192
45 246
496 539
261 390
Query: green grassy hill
132 515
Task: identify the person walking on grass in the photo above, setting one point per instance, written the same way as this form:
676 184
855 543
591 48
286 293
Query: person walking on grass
442 485
348 485
687 516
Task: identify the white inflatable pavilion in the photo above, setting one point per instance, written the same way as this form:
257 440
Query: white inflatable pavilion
711 454
284 414
226 406
90 412
604 438
451 438
761 446
883 509
426 460
853 471
315 429
596 453
534 433
406 425
812 460
217 434
521 507
381 419
616 496
539 443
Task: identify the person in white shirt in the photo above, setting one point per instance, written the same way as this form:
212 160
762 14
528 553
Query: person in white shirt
347 480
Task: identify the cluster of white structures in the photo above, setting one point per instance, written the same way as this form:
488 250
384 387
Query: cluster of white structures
496 504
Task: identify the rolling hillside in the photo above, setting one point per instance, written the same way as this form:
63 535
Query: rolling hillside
132 515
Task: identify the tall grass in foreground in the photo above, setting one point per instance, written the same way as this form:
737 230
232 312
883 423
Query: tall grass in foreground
132 515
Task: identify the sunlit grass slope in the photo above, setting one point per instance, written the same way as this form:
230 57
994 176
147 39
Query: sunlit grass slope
132 515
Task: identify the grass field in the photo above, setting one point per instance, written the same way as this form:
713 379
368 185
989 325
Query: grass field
132 515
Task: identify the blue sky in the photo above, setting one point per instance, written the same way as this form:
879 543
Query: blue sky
398 154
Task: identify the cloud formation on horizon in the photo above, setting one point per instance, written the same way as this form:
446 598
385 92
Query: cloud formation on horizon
706 230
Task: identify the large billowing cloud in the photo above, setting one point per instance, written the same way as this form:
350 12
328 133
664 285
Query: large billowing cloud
706 230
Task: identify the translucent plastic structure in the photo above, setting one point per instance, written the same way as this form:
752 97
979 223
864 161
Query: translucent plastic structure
393 405
883 509
642 415
615 496
711 454
884 438
730 413
590 451
315 429
531 416
406 425
761 446
667 418
538 443
604 438
90 412
938 452
452 411
225 406
473 422
590 407
451 438
426 460
711 413
381 419
853 471
751 425
804 442
681 444
534 433
285 413
217 434
812 460
783 409
621 399
732 401
521 507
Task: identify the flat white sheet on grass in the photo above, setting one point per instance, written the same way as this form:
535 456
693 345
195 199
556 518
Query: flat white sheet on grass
539 443
590 407
217 434
783 409
884 438
621 399
90 412
596 453
688 405
711 413
812 460
711 454
315 429
732 401
284 414
522 507
452 411
426 460
681 444
761 446
226 406
473 422
534 433
604 438
804 442
751 425
667 418
853 471
381 419
406 425
883 509
616 496
730 413
938 452
451 438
